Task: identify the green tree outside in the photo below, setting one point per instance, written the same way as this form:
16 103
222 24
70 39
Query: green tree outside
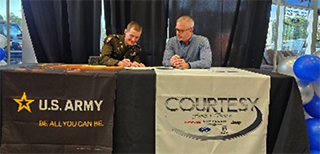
13 19
295 28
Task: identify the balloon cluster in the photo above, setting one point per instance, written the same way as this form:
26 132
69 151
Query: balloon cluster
306 70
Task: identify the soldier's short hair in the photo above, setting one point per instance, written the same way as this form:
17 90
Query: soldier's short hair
187 20
135 25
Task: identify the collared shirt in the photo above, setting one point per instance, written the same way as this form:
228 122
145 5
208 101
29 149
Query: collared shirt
196 52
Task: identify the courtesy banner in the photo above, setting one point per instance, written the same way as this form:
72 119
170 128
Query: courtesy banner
217 110
57 111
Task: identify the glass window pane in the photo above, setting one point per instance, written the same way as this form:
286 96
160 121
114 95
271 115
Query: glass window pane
270 42
272 28
15 28
318 34
295 30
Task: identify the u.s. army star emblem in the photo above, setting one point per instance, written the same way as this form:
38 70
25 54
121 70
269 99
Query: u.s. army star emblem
24 103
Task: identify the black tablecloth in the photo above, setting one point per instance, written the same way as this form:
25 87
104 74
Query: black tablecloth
56 110
134 113
134 125
134 117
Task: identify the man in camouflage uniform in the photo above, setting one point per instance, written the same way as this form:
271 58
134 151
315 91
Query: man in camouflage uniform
123 50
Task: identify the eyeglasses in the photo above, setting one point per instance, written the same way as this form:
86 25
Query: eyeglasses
181 30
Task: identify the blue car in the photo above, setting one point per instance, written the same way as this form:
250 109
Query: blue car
15 35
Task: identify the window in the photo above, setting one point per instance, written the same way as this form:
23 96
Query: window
295 30
15 28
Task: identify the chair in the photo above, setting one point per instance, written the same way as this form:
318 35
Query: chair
268 55
94 60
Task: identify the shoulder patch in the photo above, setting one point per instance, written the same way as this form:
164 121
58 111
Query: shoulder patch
110 37
116 35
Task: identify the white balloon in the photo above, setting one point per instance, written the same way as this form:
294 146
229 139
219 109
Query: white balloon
316 87
306 115
302 83
307 93
3 41
3 63
285 66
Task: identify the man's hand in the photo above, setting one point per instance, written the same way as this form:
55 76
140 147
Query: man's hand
173 60
136 64
178 62
182 64
125 63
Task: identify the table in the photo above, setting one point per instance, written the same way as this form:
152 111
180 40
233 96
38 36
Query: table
134 109
134 125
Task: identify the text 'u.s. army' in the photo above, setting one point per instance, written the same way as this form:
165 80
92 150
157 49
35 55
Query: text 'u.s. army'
70 105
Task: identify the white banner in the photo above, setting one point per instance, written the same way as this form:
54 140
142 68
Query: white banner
217 110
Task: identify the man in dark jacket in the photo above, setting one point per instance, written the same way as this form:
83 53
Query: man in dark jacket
123 50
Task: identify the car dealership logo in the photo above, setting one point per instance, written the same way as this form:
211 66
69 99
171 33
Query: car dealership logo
24 103
212 118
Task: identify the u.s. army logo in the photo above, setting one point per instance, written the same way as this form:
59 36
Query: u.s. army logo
24 103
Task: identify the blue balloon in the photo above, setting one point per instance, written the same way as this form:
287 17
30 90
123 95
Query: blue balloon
2 53
313 107
307 68
314 152
313 127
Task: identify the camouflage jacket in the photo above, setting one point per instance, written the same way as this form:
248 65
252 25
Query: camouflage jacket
115 50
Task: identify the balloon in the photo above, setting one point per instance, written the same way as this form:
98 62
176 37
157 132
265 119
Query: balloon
306 115
316 87
313 127
2 53
313 107
3 41
317 53
302 83
285 66
306 92
314 152
307 67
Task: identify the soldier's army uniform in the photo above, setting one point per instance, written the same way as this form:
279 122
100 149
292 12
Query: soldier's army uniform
115 50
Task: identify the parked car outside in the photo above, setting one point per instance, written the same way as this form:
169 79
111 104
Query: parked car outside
15 41
15 35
